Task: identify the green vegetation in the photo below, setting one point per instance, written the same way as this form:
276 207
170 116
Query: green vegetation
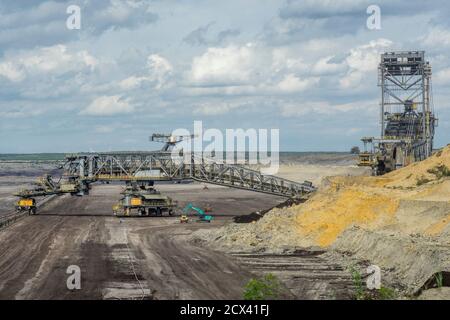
363 293
422 180
360 293
386 293
265 288
439 278
440 171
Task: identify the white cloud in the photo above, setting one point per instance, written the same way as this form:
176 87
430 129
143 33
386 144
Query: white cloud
362 60
252 69
291 83
122 13
160 70
212 109
324 67
55 59
284 61
321 8
159 74
300 52
107 105
326 108
11 71
228 65
299 109
132 82
436 37
442 77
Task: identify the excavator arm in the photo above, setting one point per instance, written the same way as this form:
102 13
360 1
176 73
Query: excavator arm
203 216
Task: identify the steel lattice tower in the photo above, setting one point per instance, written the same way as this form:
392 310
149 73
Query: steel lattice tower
406 112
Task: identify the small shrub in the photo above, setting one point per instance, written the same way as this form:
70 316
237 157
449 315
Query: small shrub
386 293
440 171
438 277
358 283
265 288
422 180
363 293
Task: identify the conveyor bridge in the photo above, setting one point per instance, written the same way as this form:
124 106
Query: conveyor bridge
163 166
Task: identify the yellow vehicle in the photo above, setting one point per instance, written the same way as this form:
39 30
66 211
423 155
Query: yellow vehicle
26 204
184 218
365 159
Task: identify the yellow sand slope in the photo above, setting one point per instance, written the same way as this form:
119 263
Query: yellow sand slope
373 202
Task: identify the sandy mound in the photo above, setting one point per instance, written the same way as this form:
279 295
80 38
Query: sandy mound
328 215
422 172
372 203
410 203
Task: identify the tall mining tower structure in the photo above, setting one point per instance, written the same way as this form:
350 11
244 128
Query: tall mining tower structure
406 111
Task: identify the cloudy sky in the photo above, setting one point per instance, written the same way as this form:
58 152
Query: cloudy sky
136 67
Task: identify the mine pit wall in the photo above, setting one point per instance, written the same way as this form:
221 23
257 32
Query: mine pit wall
407 261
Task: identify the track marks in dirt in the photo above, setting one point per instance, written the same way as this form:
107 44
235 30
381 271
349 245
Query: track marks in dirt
175 269
307 275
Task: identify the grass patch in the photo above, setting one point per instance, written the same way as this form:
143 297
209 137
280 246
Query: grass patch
422 180
439 278
363 293
266 288
440 171
386 293
360 293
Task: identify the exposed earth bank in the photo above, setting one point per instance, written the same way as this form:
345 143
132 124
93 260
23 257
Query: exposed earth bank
399 222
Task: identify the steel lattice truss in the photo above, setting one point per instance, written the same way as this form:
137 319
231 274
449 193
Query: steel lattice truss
406 108
164 166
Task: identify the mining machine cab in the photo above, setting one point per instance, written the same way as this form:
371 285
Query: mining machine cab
26 204
366 157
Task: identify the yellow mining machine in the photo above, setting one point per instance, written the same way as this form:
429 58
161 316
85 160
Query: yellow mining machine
143 200
407 116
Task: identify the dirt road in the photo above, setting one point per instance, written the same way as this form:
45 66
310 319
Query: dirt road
122 258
